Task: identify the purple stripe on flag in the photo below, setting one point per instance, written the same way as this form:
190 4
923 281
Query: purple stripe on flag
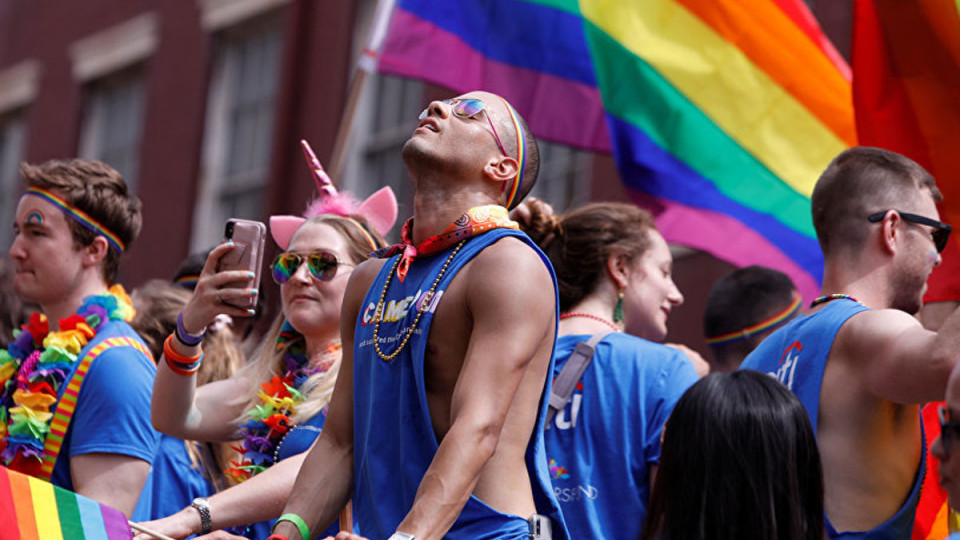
556 109
705 230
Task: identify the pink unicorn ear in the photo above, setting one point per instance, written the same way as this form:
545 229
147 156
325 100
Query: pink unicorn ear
380 209
282 229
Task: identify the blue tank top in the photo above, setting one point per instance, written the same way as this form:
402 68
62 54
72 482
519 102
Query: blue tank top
797 356
394 440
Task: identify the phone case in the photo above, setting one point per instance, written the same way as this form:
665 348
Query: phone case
248 238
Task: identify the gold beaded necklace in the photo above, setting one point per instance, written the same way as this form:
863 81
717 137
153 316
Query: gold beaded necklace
425 301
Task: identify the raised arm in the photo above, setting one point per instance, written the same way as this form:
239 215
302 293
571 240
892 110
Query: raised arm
178 407
511 301
325 482
899 360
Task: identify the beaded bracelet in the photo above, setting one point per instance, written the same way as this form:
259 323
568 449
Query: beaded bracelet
181 365
298 521
188 339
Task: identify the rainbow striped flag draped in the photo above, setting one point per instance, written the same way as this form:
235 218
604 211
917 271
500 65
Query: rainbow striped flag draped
906 58
721 114
32 509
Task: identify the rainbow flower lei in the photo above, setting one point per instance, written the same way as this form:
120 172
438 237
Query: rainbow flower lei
35 366
270 421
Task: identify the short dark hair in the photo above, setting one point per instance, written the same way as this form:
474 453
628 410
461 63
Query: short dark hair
97 189
739 300
739 462
858 182
579 243
532 160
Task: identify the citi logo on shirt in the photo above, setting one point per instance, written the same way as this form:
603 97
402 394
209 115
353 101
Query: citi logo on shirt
567 418
788 364
396 310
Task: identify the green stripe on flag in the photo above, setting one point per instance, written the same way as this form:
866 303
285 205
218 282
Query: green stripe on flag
70 525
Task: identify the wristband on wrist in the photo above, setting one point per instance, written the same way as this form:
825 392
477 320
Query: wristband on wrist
188 339
276 536
179 364
298 521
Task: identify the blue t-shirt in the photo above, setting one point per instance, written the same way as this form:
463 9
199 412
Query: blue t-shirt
113 410
297 441
601 446
174 480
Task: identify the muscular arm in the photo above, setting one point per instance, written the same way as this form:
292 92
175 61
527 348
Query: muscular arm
112 479
325 482
510 298
899 360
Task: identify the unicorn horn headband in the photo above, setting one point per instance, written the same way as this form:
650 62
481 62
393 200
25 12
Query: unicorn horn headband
379 209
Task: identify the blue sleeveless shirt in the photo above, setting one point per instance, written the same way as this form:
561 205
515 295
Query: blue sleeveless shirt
394 440
797 356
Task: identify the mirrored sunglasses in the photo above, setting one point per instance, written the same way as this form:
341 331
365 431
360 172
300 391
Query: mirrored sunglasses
469 108
322 265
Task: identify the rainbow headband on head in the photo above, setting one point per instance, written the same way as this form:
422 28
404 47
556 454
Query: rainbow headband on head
521 153
80 216
763 326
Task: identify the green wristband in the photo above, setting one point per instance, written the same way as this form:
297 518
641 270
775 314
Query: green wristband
298 521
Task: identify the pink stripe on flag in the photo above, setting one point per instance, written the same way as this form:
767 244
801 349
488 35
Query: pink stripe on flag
742 246
556 109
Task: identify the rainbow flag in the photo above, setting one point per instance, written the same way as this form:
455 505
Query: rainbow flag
721 114
906 58
32 509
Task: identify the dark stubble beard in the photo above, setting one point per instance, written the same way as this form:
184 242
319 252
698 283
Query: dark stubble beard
907 287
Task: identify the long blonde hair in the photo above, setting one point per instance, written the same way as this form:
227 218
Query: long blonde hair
268 359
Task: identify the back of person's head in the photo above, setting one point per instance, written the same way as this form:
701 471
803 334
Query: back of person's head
743 308
190 268
580 242
739 461
14 312
859 182
96 189
158 303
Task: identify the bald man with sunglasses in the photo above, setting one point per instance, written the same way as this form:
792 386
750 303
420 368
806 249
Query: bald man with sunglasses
435 426
860 361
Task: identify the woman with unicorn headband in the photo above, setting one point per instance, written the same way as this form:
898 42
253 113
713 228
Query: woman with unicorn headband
276 404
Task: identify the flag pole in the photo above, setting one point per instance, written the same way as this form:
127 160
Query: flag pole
366 65
144 530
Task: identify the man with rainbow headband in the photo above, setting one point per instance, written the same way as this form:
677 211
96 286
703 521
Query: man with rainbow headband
76 381
859 361
435 426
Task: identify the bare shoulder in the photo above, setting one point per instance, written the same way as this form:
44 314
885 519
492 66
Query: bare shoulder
362 277
877 332
511 264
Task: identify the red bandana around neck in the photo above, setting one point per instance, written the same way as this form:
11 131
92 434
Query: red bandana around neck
474 221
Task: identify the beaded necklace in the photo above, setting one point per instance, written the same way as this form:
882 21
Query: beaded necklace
424 303
34 368
570 315
837 296
271 421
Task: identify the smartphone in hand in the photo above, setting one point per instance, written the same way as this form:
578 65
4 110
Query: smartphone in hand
248 238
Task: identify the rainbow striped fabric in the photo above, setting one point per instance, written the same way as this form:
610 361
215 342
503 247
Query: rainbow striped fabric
31 509
721 114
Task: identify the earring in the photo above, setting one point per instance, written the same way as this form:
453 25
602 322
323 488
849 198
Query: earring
618 310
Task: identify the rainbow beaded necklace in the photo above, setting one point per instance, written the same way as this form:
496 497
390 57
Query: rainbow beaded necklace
34 368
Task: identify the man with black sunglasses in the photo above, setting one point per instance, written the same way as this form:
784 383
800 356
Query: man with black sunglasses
436 424
860 361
